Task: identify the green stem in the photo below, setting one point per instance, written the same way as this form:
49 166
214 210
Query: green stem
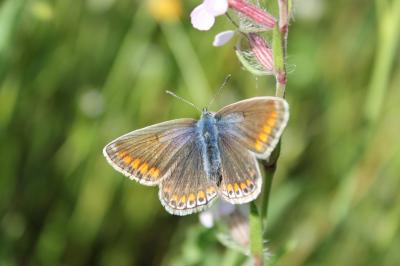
278 49
256 236
279 43
269 168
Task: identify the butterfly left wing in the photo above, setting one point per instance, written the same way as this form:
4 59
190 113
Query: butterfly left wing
188 188
256 123
168 155
144 155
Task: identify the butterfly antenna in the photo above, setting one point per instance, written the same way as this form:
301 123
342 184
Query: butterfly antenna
183 100
226 80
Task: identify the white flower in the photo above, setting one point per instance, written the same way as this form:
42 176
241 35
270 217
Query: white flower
222 208
203 16
223 37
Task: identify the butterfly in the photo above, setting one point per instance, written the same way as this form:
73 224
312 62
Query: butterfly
196 161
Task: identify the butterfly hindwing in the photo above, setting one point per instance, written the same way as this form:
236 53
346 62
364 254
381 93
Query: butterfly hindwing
187 189
241 178
255 123
144 154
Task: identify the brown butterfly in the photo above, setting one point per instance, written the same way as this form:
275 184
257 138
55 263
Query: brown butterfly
195 161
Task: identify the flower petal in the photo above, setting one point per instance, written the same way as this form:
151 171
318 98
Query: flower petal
223 37
216 7
201 18
225 208
206 219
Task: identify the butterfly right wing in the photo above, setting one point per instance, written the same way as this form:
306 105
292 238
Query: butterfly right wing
145 155
257 123
241 177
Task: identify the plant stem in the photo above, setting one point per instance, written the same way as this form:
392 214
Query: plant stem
256 236
269 168
279 44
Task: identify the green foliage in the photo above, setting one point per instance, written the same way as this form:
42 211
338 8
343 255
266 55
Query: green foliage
73 76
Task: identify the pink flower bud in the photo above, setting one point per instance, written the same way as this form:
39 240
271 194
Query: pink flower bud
253 12
262 51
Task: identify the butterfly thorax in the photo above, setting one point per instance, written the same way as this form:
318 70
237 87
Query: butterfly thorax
208 141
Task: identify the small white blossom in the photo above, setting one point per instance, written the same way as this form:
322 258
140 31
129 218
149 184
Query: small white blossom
223 37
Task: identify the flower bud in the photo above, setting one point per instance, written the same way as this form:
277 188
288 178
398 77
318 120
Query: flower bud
254 13
262 51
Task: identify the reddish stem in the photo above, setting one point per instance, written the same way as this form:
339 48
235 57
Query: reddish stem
283 16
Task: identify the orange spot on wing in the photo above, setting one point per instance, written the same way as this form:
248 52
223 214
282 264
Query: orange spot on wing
210 189
271 121
122 154
151 171
243 185
127 159
273 115
230 187
183 199
143 168
258 146
267 129
135 163
192 197
201 194
263 137
174 197
156 172
236 187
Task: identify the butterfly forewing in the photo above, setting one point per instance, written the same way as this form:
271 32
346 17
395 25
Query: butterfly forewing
187 189
256 123
144 154
241 178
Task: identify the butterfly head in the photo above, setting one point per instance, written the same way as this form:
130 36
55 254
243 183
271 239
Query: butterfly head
205 113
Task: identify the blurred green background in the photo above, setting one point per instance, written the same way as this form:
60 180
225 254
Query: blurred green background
76 74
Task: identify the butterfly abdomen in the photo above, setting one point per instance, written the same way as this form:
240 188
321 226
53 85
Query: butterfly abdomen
208 138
